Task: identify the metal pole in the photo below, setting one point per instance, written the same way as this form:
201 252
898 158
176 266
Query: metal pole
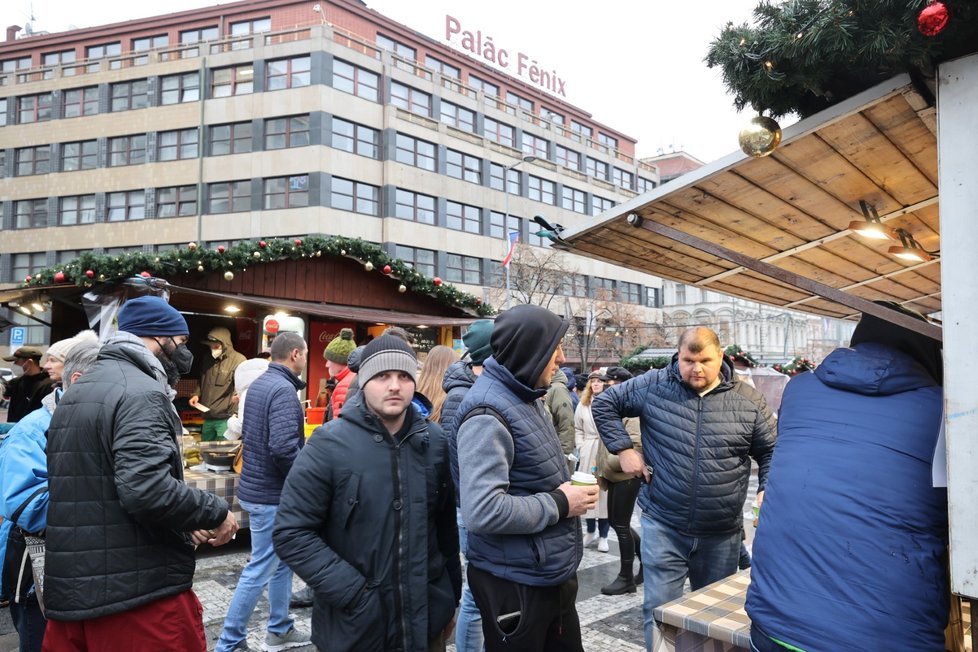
506 229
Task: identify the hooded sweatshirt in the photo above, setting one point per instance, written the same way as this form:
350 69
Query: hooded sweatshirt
217 381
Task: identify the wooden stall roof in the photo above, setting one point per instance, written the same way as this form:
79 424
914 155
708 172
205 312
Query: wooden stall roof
791 210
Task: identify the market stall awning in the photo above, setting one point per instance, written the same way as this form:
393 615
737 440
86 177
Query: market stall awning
776 229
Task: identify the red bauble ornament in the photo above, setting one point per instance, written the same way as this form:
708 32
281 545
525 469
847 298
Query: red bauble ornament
436 281
387 269
145 274
59 277
478 301
933 18
89 273
220 249
262 244
27 279
298 242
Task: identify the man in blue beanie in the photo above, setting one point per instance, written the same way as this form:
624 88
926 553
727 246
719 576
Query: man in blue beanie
122 525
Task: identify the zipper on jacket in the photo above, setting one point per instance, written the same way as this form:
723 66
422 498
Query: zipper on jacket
696 464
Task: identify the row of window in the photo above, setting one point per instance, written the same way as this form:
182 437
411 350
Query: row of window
295 72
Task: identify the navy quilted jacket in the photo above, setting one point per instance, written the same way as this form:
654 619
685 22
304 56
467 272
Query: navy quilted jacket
698 446
273 431
458 379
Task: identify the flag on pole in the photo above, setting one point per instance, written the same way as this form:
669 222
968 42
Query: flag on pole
513 237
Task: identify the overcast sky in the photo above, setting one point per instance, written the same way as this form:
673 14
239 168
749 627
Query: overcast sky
636 66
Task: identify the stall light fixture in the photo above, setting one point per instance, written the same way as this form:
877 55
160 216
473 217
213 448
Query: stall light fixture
232 309
281 314
24 309
38 306
872 227
910 249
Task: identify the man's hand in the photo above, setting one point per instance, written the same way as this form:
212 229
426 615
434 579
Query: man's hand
193 400
224 532
580 498
633 464
235 398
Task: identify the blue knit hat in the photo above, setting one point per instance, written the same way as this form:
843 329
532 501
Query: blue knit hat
151 316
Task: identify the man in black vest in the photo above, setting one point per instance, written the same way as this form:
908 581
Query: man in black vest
517 501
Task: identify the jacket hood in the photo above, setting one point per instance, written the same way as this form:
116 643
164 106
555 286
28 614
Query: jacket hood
873 369
246 373
523 340
126 346
222 335
559 378
458 375
727 374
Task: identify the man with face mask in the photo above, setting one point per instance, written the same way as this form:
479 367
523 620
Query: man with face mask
217 384
30 384
122 525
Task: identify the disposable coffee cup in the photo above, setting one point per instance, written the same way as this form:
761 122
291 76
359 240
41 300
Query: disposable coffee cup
582 478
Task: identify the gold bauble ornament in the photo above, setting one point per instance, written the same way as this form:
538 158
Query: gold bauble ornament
229 275
191 246
369 266
402 288
760 137
200 268
342 252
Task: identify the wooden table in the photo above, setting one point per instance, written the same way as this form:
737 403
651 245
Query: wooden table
709 620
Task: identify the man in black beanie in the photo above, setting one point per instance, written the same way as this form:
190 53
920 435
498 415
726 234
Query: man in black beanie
521 510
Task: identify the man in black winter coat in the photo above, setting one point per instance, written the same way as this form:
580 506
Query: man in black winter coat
367 517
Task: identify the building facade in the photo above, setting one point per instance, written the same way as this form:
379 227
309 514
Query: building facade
280 118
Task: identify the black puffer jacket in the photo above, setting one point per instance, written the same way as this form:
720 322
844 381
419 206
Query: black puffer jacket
459 378
119 515
698 446
368 521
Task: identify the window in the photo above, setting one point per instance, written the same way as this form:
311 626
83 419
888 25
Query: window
422 260
79 101
93 52
33 160
596 168
414 206
234 80
607 140
127 150
602 288
416 152
147 43
282 133
229 197
181 144
246 28
463 269
551 116
463 166
623 178
629 292
81 155
287 192
191 36
457 116
496 221
600 204
580 131
356 138
353 79
288 73
680 294
58 58
230 139
178 201
499 132
574 200
535 146
645 185
574 285
496 173
462 217
176 89
653 297
13 65
79 209
23 265
34 108
347 195
567 157
66 255
446 69
398 48
519 100
479 84
541 190
130 205
410 99
3 112
30 213
129 95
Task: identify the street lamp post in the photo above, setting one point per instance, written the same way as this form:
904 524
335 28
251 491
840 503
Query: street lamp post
525 159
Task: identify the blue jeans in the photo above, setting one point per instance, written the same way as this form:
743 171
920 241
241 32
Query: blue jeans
669 557
29 623
468 627
263 569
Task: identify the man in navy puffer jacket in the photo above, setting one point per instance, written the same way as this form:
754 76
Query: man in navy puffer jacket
700 427
851 544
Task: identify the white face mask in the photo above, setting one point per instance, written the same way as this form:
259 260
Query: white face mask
216 353
17 370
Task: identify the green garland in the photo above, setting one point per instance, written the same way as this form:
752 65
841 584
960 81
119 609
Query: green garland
802 56
797 365
91 269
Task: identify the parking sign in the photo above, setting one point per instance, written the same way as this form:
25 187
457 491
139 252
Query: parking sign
17 335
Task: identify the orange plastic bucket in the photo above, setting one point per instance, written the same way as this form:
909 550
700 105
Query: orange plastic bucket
315 415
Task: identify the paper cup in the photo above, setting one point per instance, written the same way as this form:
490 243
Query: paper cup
581 478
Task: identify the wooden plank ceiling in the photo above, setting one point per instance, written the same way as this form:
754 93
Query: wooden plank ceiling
792 210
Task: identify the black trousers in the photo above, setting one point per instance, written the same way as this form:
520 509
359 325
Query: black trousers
621 504
522 618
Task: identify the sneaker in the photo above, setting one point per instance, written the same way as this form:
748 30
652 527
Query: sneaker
292 638
301 598
590 539
242 647
603 544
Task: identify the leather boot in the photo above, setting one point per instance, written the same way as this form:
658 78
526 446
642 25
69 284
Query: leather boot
622 584
641 573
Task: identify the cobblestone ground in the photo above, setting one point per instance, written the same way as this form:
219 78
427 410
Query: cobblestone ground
609 623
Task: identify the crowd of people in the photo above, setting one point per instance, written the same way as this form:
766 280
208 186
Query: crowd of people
451 500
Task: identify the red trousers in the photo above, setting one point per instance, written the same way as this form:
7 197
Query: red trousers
174 624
